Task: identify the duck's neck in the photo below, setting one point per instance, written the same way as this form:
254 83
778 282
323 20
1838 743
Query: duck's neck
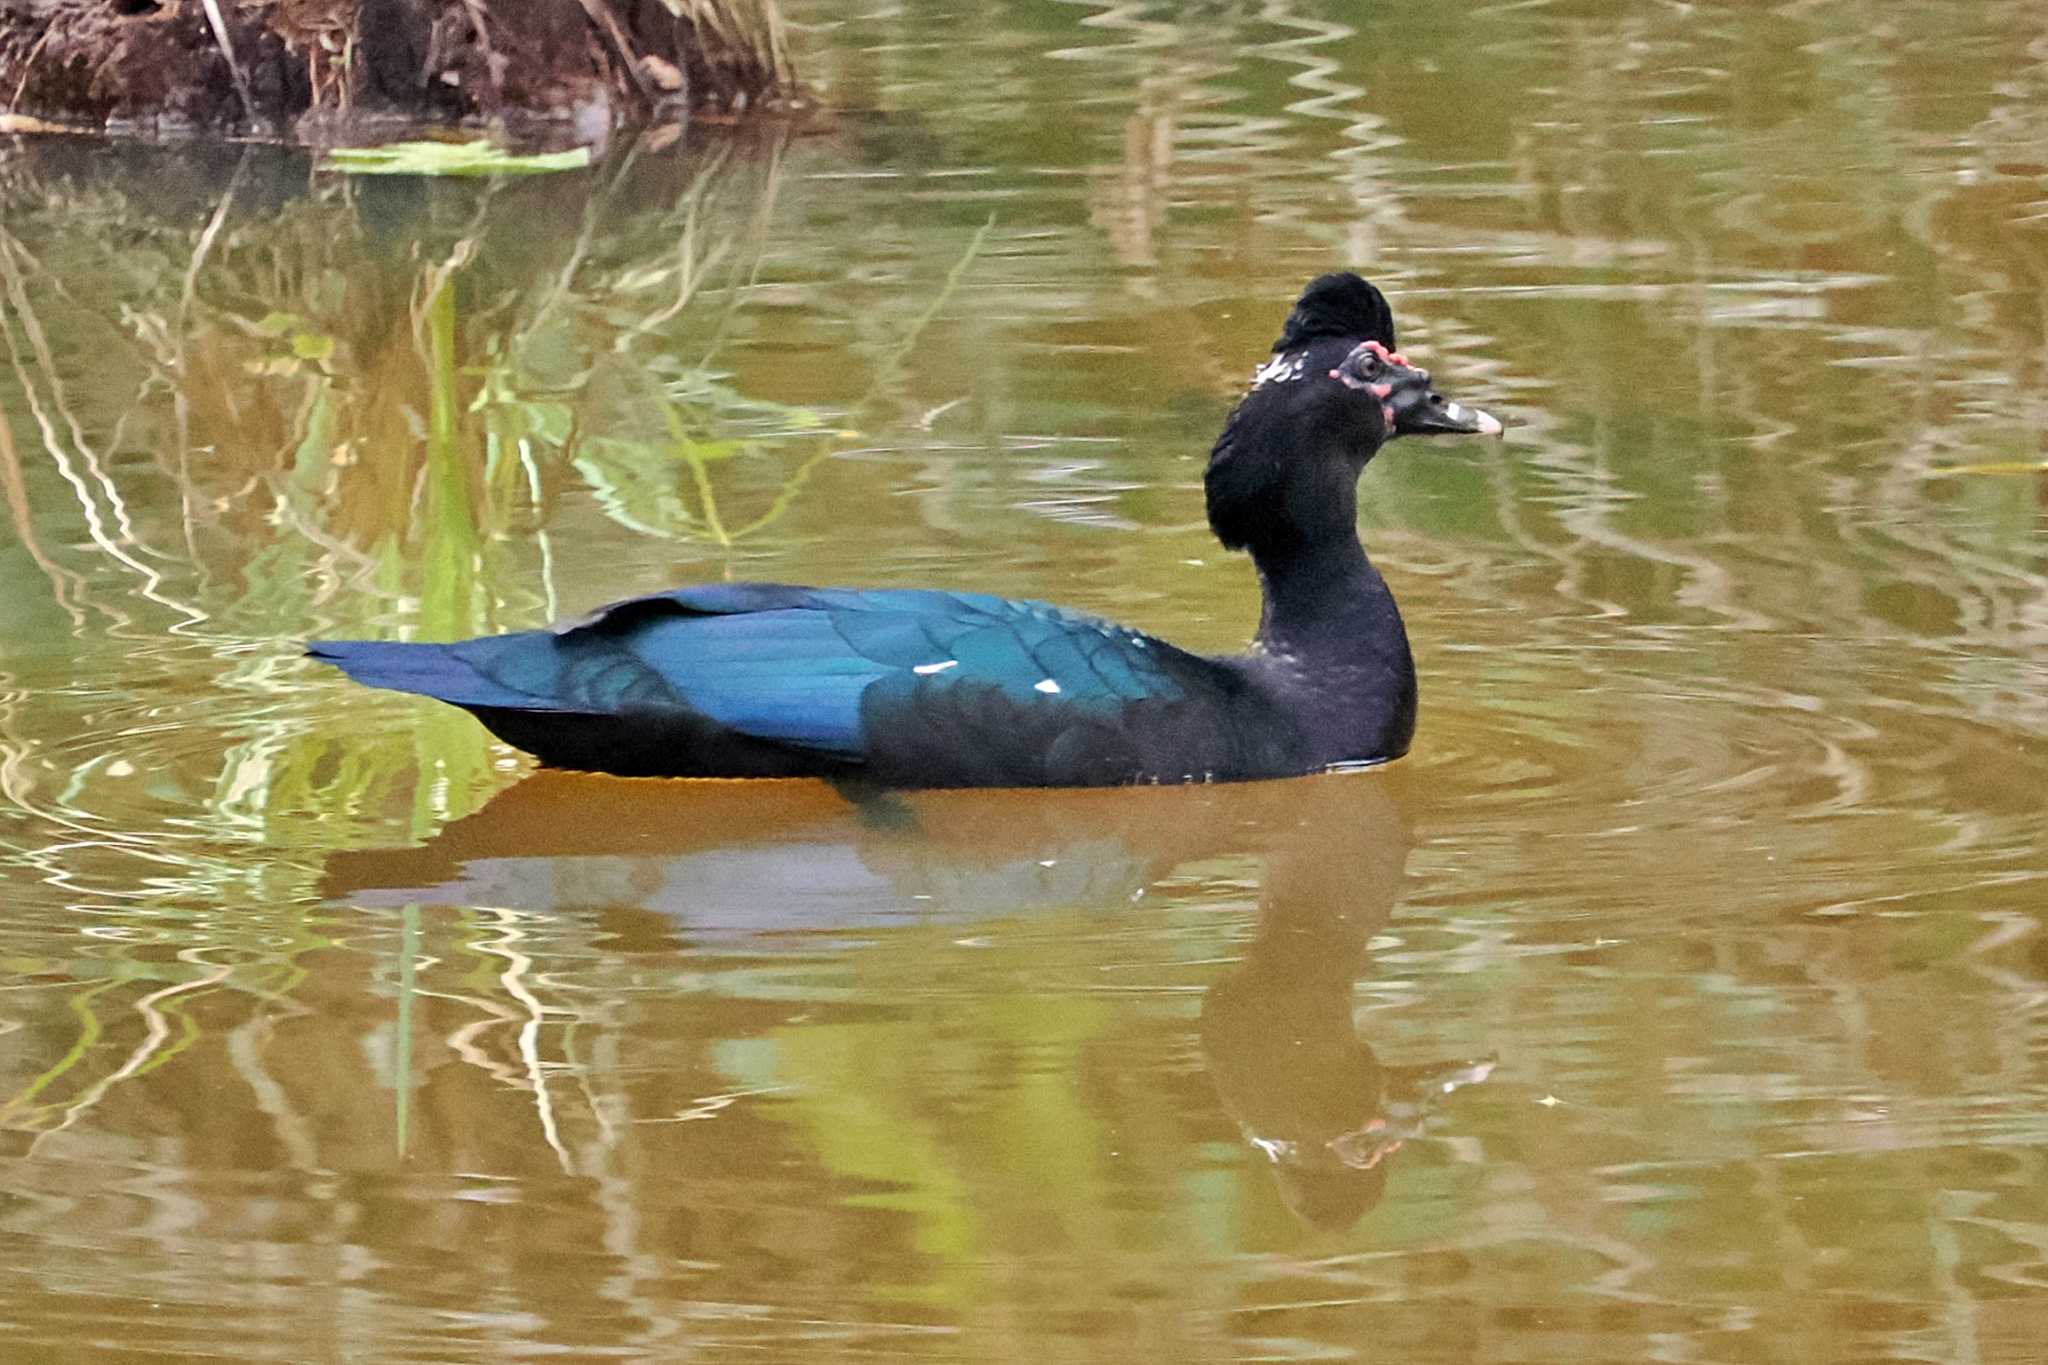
1330 638
1327 605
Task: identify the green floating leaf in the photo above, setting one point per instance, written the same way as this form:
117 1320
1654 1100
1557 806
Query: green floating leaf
451 158
703 452
312 346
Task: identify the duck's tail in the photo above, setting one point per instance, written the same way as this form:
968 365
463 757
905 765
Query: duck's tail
438 671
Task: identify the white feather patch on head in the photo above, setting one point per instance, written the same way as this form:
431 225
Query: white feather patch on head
1281 369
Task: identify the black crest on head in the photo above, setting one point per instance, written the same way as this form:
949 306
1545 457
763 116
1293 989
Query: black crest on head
1338 305
1285 470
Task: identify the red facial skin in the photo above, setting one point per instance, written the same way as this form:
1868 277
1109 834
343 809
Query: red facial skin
1381 391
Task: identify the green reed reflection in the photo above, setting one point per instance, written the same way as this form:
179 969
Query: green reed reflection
377 447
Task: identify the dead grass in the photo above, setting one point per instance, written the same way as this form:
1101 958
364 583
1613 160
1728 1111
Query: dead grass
332 71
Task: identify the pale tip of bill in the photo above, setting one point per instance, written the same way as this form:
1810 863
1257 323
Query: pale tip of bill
1483 423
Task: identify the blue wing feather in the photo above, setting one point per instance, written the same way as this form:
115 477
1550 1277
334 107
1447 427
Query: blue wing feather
814 669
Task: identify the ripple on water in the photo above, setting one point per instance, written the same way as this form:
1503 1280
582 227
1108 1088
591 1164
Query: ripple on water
1718 852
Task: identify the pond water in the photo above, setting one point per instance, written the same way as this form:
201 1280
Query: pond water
1682 996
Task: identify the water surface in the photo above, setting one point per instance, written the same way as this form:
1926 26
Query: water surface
1683 995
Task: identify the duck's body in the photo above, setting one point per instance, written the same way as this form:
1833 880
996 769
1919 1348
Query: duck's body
903 687
935 689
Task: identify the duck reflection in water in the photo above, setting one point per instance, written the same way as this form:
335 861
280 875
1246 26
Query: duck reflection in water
1277 1029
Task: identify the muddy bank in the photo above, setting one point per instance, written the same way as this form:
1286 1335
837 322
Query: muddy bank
324 71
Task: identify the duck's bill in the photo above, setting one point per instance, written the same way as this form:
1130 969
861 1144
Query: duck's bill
1431 414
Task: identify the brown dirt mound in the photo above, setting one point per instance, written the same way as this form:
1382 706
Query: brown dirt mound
313 70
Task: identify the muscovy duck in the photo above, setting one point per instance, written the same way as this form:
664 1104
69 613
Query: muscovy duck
919 688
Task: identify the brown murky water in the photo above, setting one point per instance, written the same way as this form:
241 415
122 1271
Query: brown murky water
1683 996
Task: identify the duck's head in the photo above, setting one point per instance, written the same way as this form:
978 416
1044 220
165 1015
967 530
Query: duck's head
1335 390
